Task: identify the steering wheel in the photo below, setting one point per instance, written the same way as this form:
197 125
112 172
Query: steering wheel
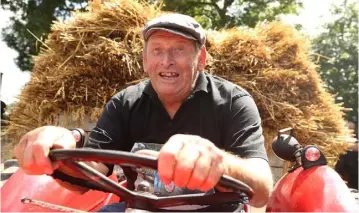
96 180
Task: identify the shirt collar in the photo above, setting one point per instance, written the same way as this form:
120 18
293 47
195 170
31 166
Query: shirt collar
201 85
149 89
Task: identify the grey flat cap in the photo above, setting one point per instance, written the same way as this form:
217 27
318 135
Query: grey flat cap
179 24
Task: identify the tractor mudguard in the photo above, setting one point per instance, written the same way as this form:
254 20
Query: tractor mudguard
317 189
46 189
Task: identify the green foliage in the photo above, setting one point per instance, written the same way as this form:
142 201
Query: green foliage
216 14
339 66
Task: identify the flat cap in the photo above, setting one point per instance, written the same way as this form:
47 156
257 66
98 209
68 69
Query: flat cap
179 24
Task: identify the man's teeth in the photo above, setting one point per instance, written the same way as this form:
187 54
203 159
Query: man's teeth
168 74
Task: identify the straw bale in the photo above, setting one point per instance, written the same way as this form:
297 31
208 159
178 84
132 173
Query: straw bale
89 58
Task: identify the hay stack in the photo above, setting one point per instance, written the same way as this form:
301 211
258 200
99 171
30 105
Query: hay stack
97 53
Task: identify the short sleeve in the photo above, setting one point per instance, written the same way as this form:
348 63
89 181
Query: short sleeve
111 131
244 134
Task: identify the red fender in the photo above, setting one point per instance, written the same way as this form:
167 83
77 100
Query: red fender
318 189
45 188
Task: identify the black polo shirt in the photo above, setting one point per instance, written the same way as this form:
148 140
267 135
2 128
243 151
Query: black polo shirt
217 110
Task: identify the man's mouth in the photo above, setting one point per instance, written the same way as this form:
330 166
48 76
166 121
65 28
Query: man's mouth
169 75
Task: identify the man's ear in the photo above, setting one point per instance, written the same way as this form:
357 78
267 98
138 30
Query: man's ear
202 58
144 59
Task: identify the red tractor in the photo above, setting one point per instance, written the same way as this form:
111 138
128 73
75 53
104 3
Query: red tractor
309 185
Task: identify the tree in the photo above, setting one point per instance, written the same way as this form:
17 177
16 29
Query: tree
34 17
339 66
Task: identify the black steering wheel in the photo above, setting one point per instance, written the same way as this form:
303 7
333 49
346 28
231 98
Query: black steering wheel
241 193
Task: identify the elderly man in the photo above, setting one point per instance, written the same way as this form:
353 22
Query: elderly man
208 125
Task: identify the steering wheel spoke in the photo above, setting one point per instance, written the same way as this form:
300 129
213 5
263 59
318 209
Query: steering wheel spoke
105 182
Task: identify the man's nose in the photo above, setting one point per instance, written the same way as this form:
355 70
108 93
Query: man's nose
167 59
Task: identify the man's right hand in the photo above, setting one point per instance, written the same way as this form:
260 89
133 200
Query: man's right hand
33 149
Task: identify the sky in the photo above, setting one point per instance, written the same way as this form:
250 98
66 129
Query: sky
12 79
312 16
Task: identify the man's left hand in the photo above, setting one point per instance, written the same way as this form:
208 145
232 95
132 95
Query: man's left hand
190 161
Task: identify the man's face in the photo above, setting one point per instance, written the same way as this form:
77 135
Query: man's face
172 63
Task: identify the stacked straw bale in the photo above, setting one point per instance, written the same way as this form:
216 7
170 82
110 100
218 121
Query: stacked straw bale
95 54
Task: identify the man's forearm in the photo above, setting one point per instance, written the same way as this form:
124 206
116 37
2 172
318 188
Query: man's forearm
255 172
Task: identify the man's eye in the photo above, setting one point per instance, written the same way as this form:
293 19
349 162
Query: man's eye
178 49
156 51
